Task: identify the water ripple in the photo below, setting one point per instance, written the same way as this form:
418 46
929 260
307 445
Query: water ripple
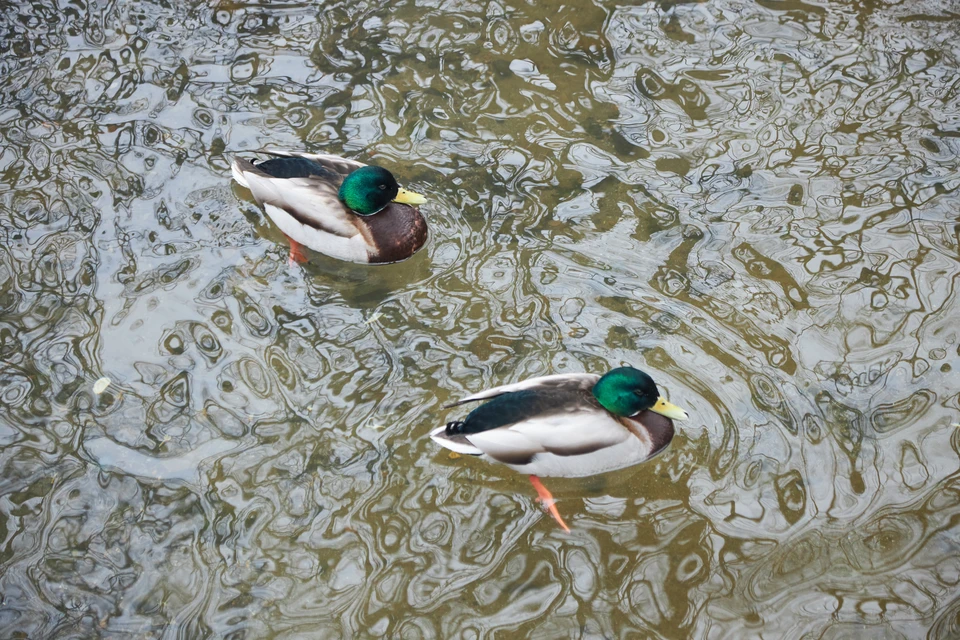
758 202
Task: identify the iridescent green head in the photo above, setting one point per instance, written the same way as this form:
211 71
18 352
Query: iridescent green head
369 189
626 391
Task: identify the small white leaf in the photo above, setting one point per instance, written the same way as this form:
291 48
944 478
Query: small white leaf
101 385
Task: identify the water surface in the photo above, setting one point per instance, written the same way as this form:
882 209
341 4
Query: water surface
755 201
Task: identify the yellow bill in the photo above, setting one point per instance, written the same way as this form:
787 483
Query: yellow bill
669 410
409 197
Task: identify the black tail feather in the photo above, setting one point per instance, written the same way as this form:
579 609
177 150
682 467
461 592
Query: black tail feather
454 427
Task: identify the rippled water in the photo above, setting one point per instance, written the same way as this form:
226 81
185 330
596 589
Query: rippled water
756 201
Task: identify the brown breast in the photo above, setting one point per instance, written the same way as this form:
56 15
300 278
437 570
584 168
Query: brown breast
657 428
396 232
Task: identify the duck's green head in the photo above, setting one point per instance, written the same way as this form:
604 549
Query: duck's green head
626 391
369 189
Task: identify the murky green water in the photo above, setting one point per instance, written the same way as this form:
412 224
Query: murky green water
757 201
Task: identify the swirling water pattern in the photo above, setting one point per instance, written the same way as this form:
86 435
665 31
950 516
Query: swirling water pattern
756 200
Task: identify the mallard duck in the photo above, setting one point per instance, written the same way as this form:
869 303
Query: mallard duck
335 206
569 425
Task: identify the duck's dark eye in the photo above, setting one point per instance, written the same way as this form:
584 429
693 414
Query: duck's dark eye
382 187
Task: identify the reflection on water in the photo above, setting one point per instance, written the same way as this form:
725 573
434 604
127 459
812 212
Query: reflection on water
757 201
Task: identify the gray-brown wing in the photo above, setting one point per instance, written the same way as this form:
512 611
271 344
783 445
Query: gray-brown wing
343 166
564 381
311 201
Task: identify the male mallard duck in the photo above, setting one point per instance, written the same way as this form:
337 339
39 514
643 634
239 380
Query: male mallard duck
568 425
339 207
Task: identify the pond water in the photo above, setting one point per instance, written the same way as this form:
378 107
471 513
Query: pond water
755 201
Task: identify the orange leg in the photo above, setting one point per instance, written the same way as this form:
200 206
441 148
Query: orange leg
546 499
297 256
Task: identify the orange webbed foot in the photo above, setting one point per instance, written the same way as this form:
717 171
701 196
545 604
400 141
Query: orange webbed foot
297 255
546 499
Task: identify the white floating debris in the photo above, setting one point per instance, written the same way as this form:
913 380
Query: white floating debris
101 385
527 70
376 315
